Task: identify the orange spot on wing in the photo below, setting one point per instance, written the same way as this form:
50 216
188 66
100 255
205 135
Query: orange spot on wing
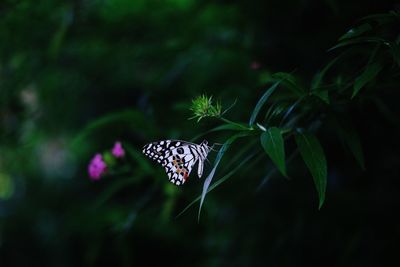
185 175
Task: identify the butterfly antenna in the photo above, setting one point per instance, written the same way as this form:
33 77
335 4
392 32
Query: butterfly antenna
215 144
211 148
226 110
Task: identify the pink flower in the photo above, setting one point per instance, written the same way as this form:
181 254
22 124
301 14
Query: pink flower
97 167
118 151
255 65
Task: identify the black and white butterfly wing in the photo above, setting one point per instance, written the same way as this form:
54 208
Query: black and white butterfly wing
177 168
156 151
176 157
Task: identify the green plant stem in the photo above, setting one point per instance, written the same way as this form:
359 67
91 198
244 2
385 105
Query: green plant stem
236 124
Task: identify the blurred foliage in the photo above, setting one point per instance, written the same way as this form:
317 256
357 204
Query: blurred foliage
294 89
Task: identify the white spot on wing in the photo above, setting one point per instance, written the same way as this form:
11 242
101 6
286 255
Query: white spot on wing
188 157
164 152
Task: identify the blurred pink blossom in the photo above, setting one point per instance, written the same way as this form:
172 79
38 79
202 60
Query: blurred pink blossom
255 65
97 167
118 151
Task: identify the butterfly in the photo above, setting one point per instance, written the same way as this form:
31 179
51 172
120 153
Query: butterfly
178 158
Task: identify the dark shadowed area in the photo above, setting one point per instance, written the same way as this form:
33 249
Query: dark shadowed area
298 99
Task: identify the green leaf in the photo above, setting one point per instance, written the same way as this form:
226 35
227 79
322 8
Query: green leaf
314 157
273 144
270 110
233 127
316 82
370 72
350 138
289 110
210 176
359 40
353 142
223 127
356 31
109 159
284 76
262 101
290 82
220 181
383 18
323 95
59 36
109 122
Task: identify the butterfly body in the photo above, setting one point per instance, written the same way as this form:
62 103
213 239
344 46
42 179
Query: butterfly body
178 158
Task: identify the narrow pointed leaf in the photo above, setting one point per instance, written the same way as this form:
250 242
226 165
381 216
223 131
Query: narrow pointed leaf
350 138
359 40
314 157
273 144
223 127
356 31
353 142
233 127
210 176
217 183
124 117
290 109
290 82
262 101
370 72
383 18
317 79
323 95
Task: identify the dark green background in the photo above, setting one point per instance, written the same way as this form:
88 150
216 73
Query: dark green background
75 76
